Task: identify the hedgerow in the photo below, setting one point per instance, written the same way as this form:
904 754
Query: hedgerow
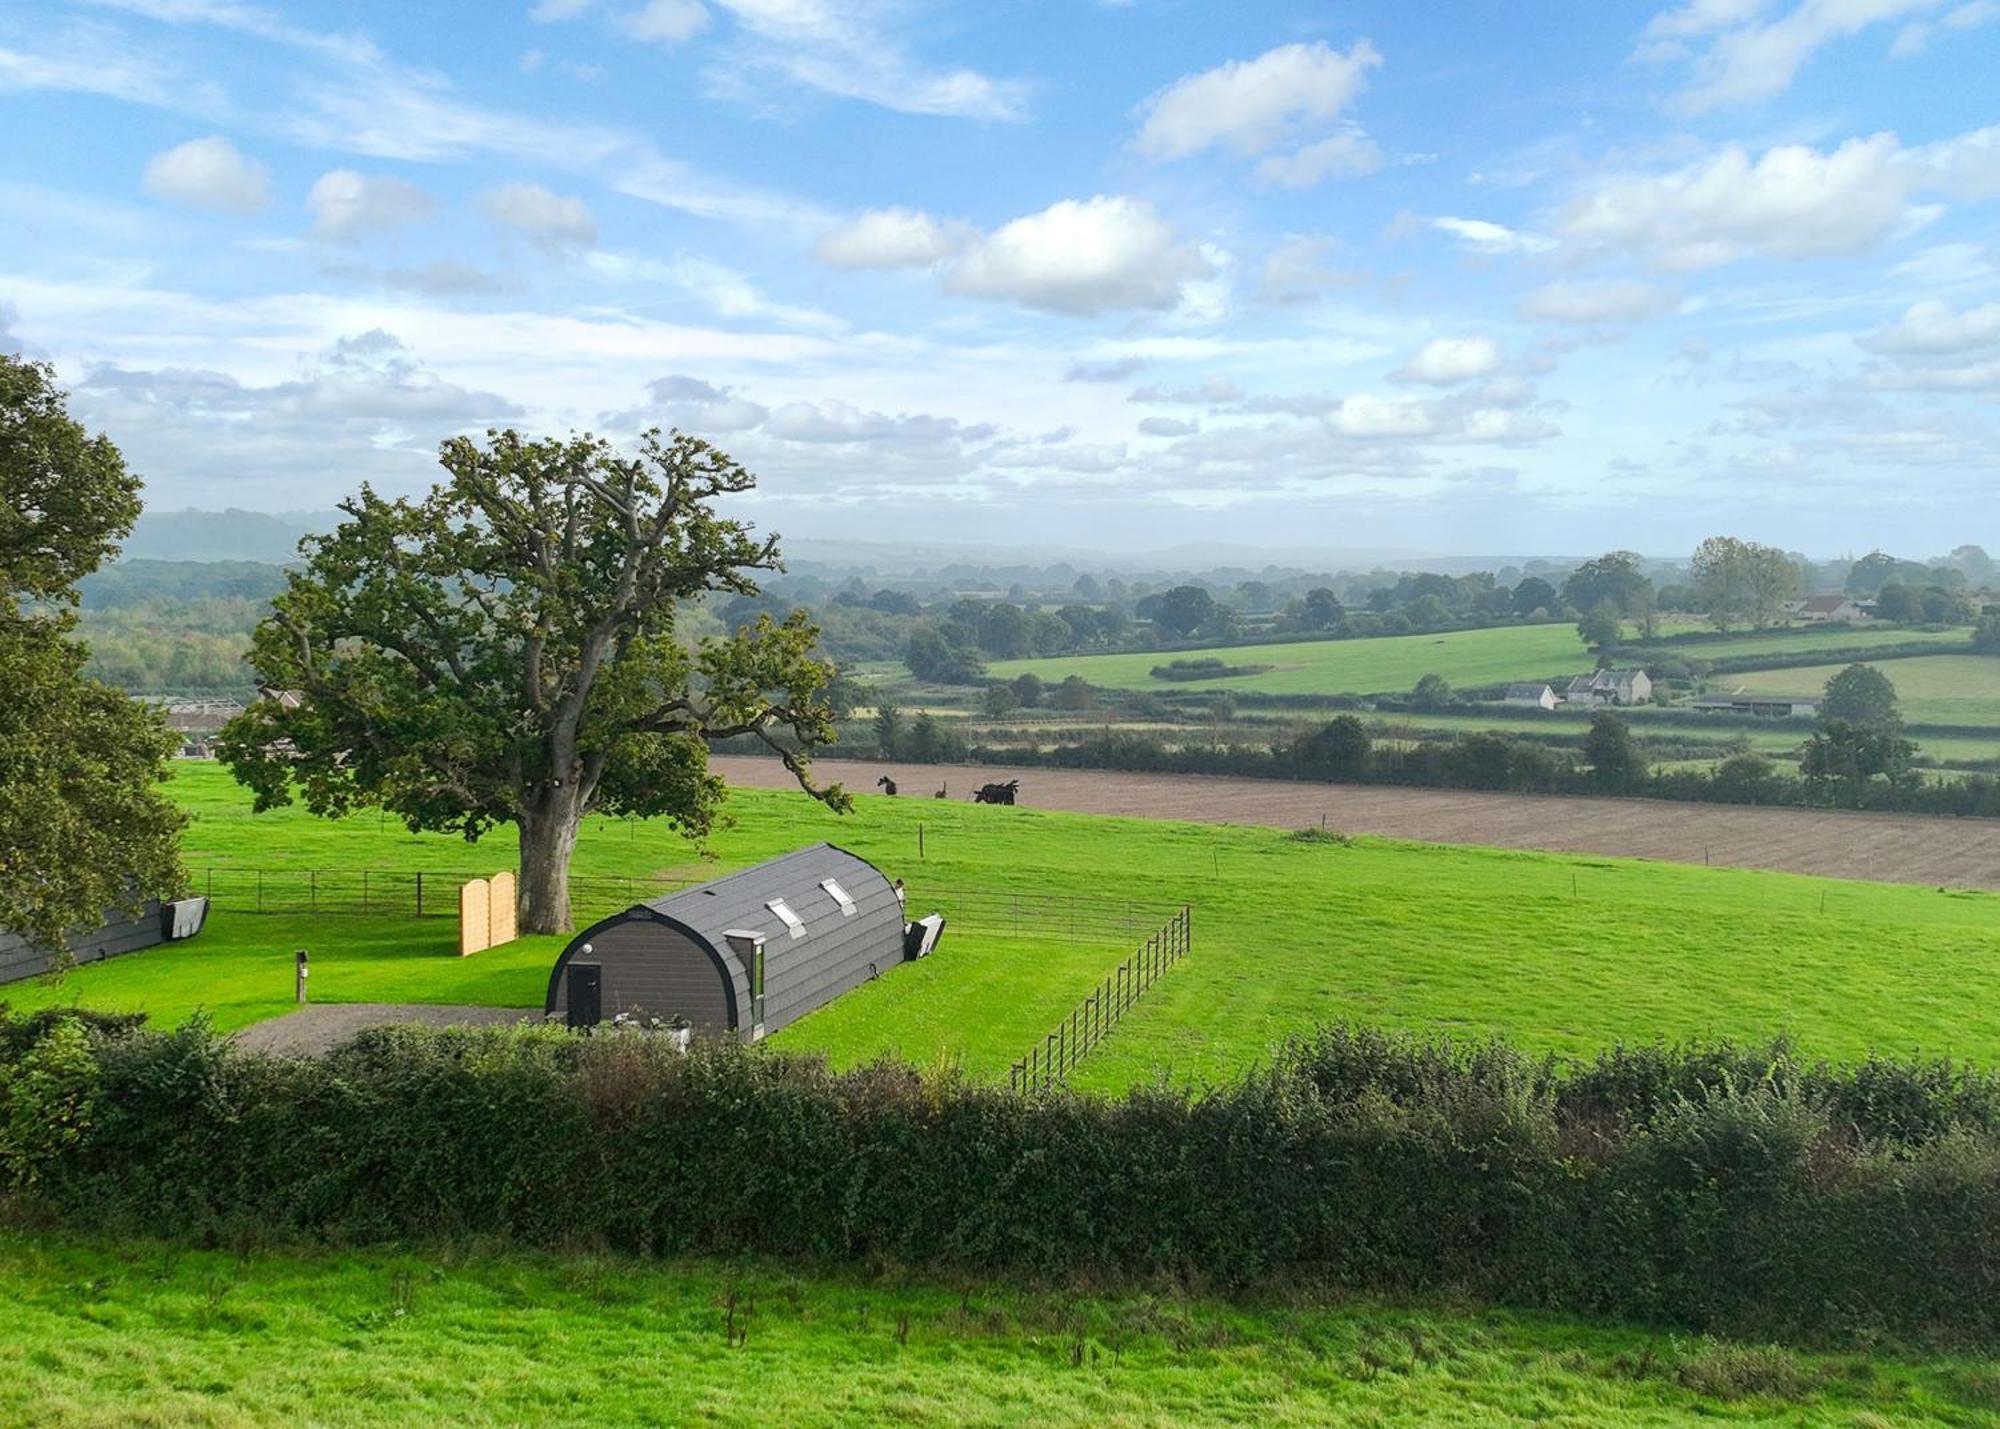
1720 1188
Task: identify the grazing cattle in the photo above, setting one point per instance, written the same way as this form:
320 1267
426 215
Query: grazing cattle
886 785
997 793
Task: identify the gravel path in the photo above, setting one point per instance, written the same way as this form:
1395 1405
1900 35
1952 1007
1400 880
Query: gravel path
1898 848
313 1030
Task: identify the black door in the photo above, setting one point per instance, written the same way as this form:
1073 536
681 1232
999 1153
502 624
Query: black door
586 998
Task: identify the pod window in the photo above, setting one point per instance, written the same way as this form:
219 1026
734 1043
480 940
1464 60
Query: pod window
794 924
840 896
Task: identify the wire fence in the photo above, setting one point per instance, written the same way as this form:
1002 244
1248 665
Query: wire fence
433 893
1048 1063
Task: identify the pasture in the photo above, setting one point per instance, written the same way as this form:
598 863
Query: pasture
347 1337
1466 658
1931 689
1559 952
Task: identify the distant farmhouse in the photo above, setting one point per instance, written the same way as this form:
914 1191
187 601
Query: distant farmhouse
1823 609
1535 696
196 721
1610 687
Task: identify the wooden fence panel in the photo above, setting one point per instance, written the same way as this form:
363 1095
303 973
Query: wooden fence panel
475 901
500 909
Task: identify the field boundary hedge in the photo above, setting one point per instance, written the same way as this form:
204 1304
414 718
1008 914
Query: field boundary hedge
1738 1190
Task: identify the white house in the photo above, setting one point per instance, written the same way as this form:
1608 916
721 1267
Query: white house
1610 687
1536 696
1823 609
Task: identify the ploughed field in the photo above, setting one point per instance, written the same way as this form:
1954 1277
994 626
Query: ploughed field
103 1332
1558 952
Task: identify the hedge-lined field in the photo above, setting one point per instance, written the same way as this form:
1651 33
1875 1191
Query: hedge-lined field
1559 952
1467 658
363 1338
1930 689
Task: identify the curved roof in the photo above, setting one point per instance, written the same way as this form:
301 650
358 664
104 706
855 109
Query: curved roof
741 901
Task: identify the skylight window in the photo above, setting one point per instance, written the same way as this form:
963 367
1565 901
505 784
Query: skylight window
792 921
840 896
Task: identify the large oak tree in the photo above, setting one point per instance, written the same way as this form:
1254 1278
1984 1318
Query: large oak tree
84 828
503 651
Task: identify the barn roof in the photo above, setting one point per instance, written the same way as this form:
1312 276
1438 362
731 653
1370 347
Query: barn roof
742 901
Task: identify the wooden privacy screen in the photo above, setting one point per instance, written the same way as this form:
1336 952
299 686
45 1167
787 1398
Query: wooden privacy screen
486 913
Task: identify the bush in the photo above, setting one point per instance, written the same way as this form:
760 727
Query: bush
1719 1188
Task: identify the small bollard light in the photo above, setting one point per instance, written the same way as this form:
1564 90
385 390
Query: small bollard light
300 972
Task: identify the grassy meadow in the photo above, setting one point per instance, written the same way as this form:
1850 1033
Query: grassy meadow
133 1332
1558 952
1931 689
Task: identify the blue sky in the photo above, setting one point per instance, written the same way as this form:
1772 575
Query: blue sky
1475 278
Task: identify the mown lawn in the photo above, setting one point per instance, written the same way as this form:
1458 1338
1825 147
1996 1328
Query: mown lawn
1931 689
102 1332
1557 952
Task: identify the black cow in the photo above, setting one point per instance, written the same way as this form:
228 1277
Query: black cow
997 793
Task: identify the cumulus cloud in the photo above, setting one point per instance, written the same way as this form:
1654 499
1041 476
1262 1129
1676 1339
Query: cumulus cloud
694 406
549 220
1605 301
1115 369
1793 201
1483 236
1249 106
208 173
665 22
1346 155
346 204
1168 426
1933 328
890 238
1214 389
1447 360
1082 256
1968 166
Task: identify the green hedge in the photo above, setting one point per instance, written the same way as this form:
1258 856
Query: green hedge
1720 1188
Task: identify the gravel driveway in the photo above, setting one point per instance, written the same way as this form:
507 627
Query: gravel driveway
313 1030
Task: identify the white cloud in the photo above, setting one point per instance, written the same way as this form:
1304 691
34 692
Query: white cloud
548 219
1915 37
721 289
848 48
346 204
1748 60
1213 389
1447 360
1082 256
1168 427
1932 328
1792 202
665 22
1248 106
1482 236
1110 370
1605 301
694 406
1968 165
208 173
1343 156
890 238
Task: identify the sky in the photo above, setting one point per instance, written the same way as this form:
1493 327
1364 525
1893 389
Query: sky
1461 279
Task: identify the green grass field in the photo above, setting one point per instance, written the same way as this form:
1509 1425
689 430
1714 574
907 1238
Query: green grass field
1466 658
1932 689
1563 953
133 1332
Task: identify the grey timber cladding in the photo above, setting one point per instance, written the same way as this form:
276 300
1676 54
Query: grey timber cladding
20 958
658 950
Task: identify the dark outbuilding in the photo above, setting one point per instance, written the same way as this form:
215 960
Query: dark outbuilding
741 956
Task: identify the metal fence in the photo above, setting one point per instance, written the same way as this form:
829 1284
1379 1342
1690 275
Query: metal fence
1091 1021
433 893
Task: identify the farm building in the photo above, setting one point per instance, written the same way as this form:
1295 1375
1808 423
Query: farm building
1610 687
743 955
154 924
1535 696
1761 706
1822 609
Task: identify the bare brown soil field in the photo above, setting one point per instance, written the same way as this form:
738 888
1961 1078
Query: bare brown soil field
1832 843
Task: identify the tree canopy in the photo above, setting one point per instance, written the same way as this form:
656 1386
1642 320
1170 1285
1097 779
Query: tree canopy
1614 577
1861 695
502 651
1741 581
84 828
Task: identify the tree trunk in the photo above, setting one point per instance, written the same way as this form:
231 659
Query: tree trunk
548 838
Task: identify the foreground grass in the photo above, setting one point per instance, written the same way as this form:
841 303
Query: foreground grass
1559 953
102 1332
